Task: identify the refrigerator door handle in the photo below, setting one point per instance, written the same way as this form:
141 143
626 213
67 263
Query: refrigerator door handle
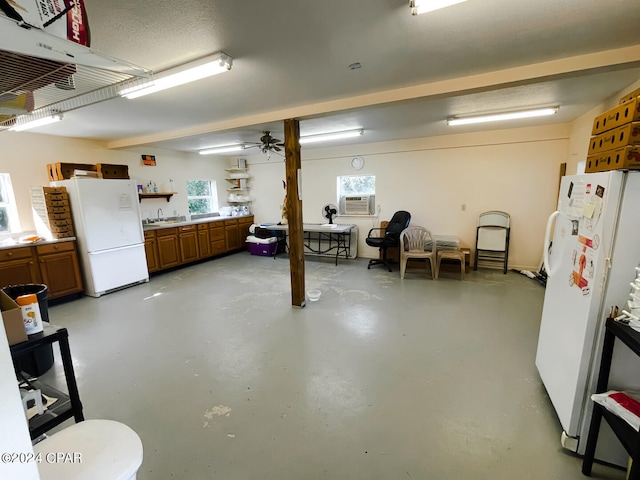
108 251
547 242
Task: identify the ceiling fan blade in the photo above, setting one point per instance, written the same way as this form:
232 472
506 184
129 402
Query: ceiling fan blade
277 149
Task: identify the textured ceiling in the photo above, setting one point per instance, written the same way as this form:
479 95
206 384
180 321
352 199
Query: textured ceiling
291 60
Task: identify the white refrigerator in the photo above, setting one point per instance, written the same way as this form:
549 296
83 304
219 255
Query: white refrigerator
591 263
108 228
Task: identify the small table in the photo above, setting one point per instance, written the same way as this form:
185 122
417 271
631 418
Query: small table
451 255
321 240
629 437
66 406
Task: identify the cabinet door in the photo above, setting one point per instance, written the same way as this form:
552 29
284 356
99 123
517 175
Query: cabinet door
188 243
151 251
243 230
204 242
61 273
217 236
231 234
168 251
17 266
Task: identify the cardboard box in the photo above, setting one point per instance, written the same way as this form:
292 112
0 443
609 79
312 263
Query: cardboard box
12 319
617 116
64 171
42 191
623 158
628 134
112 171
630 96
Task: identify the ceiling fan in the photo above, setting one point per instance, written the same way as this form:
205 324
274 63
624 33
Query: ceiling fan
267 144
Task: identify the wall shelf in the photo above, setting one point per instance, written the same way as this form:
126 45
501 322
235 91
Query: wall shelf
166 195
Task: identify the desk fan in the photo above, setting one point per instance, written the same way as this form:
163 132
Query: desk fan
329 211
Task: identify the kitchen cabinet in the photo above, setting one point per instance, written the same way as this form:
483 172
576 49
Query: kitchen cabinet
168 248
151 250
243 229
217 237
204 242
59 268
231 234
188 238
18 266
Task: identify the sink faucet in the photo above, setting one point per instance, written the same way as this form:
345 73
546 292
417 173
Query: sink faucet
160 212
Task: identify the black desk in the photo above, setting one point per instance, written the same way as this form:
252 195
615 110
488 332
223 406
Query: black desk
629 437
67 406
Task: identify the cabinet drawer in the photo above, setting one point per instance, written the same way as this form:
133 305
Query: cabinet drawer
149 234
219 225
217 247
217 234
187 228
55 248
203 226
14 253
164 232
231 222
246 220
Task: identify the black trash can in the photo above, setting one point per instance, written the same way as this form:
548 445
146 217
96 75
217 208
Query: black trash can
40 360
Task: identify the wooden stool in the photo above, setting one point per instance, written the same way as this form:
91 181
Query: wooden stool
452 255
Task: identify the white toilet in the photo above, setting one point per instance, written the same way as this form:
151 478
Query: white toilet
90 450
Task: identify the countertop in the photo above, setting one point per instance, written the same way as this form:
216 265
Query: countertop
170 224
35 244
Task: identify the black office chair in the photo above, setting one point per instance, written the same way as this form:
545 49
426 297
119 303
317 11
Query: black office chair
388 238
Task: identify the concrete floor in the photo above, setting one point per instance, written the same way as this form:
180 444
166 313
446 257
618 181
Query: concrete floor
379 379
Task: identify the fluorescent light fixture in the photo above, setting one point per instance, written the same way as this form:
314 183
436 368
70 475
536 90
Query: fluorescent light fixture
189 72
494 117
325 137
423 6
39 122
223 149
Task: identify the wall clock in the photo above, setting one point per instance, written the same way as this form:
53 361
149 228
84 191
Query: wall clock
357 163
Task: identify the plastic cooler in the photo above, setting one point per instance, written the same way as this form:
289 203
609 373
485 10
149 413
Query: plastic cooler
265 247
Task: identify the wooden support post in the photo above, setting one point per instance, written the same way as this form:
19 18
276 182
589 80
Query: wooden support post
293 167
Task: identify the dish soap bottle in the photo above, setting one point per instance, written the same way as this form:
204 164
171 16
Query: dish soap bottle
155 187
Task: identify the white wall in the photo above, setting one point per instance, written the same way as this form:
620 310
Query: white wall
513 170
25 156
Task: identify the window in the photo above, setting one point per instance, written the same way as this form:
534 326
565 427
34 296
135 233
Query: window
9 220
202 196
356 194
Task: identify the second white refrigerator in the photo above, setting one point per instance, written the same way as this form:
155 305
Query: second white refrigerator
595 249
108 227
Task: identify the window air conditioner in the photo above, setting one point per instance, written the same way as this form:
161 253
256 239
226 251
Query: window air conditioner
358 204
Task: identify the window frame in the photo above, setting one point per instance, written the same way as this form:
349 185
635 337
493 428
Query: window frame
10 206
341 193
212 198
